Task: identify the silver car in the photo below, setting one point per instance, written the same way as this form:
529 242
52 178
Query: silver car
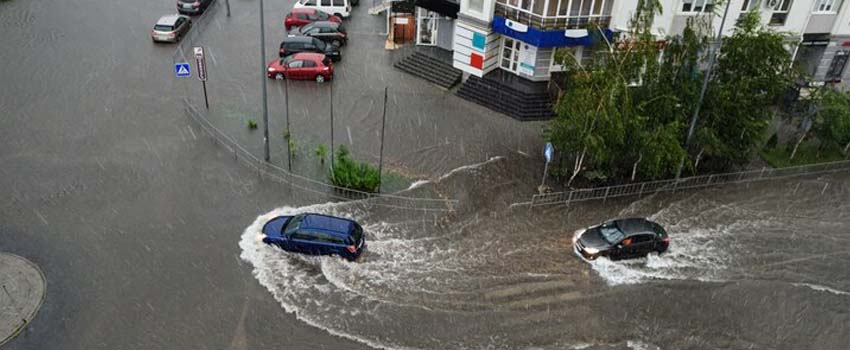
171 28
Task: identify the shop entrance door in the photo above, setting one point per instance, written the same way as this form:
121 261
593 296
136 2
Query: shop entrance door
426 27
510 54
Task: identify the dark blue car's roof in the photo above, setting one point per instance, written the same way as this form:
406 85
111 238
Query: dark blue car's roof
328 224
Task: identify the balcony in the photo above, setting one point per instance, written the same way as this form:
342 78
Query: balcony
579 16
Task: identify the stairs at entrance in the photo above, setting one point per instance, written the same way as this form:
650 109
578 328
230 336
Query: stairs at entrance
507 100
431 69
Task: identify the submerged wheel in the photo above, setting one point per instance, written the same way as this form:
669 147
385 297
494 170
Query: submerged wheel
320 78
279 76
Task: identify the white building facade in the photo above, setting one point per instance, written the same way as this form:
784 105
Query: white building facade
520 36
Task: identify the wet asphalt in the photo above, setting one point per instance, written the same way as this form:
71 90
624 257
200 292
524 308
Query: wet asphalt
138 219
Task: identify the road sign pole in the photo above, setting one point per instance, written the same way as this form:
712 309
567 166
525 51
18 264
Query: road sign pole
206 100
545 172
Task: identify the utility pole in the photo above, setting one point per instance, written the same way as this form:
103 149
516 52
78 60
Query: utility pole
711 59
263 77
227 3
381 157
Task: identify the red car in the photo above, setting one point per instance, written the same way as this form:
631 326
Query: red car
303 16
303 65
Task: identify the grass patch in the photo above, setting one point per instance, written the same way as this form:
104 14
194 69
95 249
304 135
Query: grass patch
808 153
349 173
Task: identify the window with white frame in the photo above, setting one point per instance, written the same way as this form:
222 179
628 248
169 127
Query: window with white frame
828 6
476 6
750 5
697 6
780 12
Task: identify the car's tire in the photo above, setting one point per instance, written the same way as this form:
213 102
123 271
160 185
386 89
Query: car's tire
338 15
279 76
336 43
320 78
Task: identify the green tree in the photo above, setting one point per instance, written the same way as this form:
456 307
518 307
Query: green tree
753 70
622 116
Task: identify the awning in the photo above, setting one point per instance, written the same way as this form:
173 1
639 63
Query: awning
443 7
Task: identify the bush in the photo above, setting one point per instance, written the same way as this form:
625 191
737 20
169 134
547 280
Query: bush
322 153
252 124
351 174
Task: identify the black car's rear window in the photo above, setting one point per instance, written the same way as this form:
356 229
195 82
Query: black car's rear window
163 28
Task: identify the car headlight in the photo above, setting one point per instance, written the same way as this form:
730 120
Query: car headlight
261 237
577 235
591 251
271 69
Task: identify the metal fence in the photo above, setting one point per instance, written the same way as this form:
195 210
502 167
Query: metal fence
276 173
642 188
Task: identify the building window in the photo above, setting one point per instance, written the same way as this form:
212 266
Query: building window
750 5
836 68
827 6
697 6
476 6
780 12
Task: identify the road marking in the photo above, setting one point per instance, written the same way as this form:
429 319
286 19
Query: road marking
191 132
527 288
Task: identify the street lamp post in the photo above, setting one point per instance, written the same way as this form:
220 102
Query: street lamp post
263 77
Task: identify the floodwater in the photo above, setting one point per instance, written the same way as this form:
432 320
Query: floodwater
759 266
145 228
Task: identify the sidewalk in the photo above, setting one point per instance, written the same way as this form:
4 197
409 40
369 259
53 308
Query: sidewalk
22 287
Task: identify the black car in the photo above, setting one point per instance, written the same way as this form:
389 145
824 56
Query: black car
621 239
296 44
329 32
193 7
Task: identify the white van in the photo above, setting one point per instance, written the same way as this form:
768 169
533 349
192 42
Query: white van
339 8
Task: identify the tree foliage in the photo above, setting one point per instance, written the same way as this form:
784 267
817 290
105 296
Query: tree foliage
753 70
626 115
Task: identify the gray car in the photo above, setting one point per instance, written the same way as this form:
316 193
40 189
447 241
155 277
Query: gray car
171 28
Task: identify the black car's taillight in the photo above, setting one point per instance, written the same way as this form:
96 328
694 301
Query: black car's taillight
351 248
666 240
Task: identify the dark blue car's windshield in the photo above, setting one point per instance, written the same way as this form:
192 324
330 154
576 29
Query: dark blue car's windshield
293 224
611 233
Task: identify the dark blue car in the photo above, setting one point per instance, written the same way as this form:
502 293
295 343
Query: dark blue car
316 234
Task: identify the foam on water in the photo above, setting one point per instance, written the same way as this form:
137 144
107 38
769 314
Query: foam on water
821 288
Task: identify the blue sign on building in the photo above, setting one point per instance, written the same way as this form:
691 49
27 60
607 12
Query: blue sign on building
182 70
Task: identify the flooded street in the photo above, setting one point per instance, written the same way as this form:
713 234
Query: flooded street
749 267
146 229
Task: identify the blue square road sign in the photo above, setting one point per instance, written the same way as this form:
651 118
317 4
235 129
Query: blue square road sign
182 70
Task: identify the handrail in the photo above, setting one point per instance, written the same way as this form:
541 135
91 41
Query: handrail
550 22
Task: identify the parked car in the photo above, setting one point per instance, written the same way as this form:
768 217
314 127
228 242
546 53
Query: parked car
171 28
315 234
329 32
339 8
296 44
621 239
193 7
303 16
304 65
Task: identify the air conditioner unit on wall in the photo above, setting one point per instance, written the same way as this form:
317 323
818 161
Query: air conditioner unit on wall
771 4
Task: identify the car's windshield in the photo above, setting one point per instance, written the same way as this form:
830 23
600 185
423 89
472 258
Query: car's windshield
293 224
319 44
323 16
163 28
307 28
611 233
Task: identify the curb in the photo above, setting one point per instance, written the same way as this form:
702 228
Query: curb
31 316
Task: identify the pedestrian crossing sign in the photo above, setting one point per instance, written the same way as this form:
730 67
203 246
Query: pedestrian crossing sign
182 70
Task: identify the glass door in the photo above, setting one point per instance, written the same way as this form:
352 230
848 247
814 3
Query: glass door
510 54
426 28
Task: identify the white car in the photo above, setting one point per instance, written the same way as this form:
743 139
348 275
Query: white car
339 8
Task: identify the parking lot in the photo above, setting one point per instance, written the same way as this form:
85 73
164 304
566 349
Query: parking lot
144 227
